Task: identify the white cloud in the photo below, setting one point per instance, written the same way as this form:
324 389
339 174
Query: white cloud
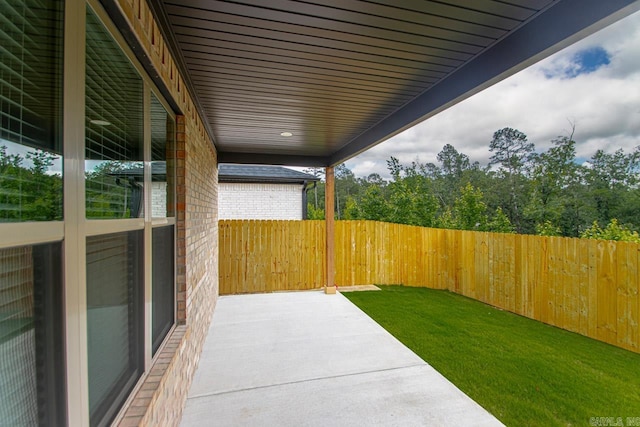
604 105
365 168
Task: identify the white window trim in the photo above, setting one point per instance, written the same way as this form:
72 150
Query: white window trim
75 294
30 233
163 222
97 227
148 244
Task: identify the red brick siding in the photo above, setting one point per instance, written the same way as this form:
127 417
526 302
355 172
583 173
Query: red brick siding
161 397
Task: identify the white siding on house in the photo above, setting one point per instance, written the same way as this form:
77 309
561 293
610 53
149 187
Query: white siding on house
259 201
158 199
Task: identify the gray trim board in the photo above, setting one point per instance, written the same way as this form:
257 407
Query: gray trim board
272 159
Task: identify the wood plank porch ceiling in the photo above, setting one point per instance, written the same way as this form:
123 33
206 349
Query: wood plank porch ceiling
344 75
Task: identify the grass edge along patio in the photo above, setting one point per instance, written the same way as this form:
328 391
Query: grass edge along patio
522 371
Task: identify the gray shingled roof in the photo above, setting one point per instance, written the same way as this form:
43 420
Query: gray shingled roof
255 173
158 171
234 173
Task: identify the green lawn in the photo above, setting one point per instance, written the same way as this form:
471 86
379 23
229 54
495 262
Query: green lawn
524 372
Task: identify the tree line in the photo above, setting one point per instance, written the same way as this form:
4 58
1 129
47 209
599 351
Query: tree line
520 190
30 191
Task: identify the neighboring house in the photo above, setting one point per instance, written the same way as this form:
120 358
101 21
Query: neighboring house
262 192
132 180
244 191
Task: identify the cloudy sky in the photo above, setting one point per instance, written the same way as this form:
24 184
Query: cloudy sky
594 84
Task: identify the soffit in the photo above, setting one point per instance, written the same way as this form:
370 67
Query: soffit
343 75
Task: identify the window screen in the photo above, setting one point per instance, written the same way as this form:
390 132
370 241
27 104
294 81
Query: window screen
31 364
30 110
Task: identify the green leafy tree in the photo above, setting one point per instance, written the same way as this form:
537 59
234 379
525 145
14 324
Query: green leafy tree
411 200
469 210
557 195
28 190
511 150
453 165
107 194
372 206
446 220
612 179
547 193
500 223
351 209
547 228
313 212
347 186
613 231
512 153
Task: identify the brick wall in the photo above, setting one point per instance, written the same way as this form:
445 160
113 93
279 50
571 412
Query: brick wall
260 201
161 397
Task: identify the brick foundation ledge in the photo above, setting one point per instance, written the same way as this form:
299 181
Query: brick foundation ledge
161 397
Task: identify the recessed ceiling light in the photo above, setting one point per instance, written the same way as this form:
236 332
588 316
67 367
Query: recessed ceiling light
100 122
286 134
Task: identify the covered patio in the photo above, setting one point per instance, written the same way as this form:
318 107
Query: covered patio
298 358
112 285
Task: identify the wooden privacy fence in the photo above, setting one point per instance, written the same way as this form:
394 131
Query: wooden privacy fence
585 286
268 256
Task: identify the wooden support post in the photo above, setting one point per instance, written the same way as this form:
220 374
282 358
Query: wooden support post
329 198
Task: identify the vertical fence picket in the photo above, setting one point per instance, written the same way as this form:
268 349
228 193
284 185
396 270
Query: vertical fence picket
572 286
626 278
519 276
607 292
583 285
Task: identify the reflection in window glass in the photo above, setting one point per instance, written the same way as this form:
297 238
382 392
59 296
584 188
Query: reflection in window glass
114 128
163 161
114 321
163 291
162 205
31 364
30 110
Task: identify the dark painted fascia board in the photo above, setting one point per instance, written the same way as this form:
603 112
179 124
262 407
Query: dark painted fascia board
259 180
571 19
272 159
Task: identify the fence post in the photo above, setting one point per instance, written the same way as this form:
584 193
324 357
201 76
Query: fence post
329 198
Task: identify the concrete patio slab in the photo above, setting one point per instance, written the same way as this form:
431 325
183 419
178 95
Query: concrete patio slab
306 358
